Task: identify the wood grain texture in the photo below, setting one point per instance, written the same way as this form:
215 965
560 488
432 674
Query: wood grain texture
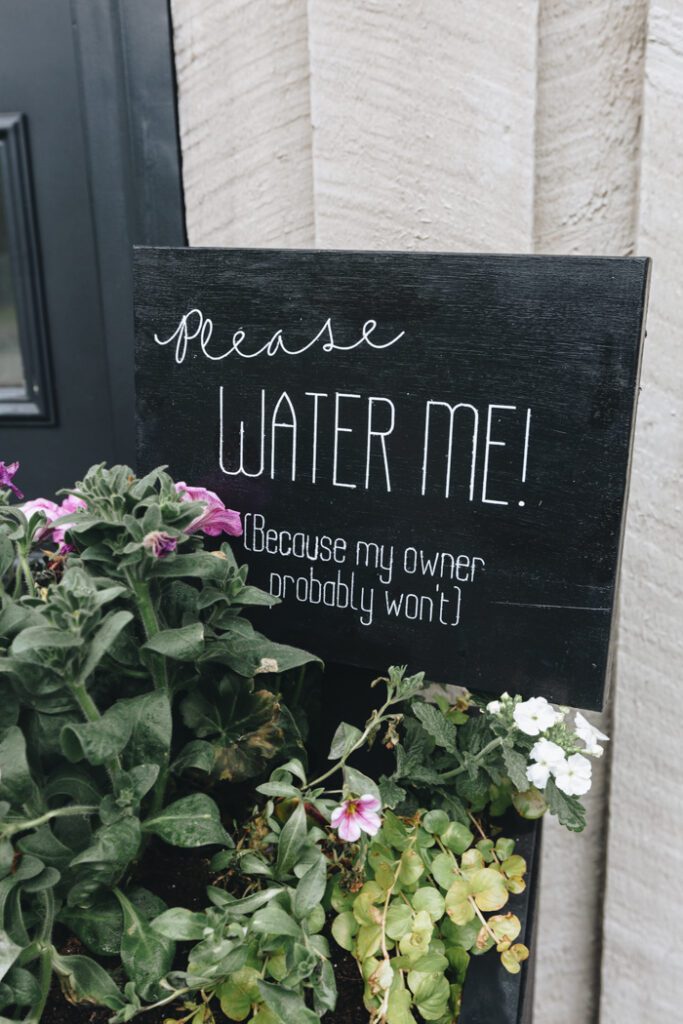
423 123
544 350
590 70
645 792
242 69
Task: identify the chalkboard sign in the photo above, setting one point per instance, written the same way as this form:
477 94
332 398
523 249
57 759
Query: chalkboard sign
430 451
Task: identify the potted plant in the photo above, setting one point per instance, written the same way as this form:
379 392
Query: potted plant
169 847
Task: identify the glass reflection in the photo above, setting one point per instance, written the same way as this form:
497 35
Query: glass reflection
11 364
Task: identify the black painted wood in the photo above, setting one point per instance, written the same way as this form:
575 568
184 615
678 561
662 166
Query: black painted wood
504 568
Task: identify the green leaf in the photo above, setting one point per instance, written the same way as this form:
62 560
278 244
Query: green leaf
411 867
146 955
16 784
488 888
311 888
568 809
273 920
100 925
430 899
458 905
6 554
287 1005
239 993
359 784
457 838
431 996
183 644
103 640
152 727
9 951
436 822
99 741
390 793
437 725
344 929
84 981
532 803
516 765
180 924
343 741
37 638
443 870
399 920
292 840
191 821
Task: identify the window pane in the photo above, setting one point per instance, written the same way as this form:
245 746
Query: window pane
11 365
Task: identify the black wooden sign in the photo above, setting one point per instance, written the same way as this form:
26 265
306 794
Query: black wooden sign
430 451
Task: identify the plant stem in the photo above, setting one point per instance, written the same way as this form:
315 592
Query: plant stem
476 759
61 812
373 722
150 625
45 974
92 714
26 570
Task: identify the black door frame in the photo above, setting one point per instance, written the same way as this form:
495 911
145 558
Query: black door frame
131 128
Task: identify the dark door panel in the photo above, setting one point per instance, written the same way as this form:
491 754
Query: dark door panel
89 83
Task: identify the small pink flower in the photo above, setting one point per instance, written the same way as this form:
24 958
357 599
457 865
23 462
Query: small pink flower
70 504
355 816
7 472
50 510
159 544
216 519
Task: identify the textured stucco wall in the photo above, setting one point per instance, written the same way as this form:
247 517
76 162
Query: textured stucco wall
509 126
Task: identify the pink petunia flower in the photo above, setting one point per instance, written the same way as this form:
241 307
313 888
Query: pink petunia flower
70 504
159 544
7 472
216 519
50 510
355 816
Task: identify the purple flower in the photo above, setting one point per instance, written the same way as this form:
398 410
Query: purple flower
70 504
216 519
7 472
50 510
355 816
159 544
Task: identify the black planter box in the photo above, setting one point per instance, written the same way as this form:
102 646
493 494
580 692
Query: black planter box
491 995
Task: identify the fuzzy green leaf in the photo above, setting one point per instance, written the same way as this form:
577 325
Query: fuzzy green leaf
437 725
568 809
183 644
146 955
84 981
515 766
292 840
191 821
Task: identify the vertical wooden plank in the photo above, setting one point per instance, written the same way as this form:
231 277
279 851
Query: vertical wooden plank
643 945
590 67
590 73
243 97
423 117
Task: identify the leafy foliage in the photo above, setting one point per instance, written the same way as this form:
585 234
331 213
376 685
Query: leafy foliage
420 915
137 695
128 686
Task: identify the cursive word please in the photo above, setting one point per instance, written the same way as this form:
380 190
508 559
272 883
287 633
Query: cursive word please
195 327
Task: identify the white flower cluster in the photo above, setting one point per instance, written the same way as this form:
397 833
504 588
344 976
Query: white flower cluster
572 773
